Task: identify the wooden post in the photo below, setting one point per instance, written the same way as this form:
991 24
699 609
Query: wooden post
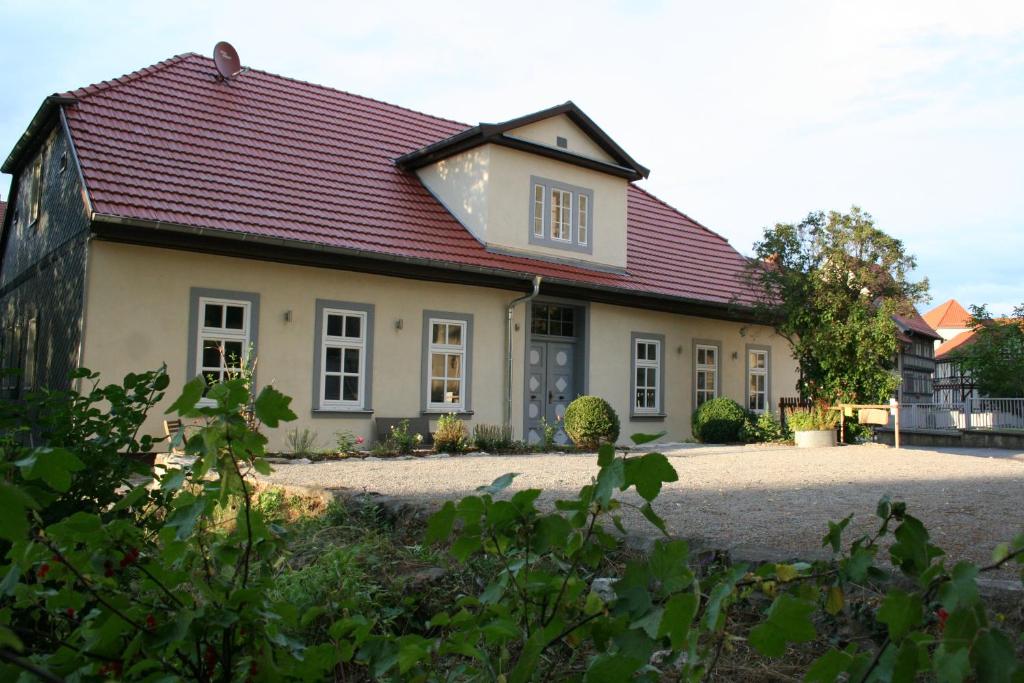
896 412
842 424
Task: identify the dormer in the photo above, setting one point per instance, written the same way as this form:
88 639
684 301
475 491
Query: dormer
550 184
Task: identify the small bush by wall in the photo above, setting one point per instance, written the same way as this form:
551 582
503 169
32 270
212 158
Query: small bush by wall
451 435
720 420
591 421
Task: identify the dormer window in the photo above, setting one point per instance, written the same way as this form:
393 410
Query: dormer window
561 216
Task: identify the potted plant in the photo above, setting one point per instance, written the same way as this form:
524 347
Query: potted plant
814 427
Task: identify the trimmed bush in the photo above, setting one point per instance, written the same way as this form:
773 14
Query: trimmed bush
590 421
720 420
451 435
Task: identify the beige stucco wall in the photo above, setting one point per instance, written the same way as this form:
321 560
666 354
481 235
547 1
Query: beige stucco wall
137 318
547 132
488 190
612 327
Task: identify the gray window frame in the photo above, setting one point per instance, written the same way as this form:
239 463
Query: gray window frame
426 408
575 192
718 367
368 310
767 350
643 414
198 293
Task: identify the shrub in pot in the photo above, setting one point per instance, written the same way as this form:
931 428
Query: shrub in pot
720 420
814 426
591 421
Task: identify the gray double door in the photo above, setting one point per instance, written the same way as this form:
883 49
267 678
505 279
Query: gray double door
550 387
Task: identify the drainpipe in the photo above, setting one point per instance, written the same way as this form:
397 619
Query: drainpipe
508 344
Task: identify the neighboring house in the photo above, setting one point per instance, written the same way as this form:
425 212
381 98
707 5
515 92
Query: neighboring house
953 384
949 320
378 261
916 361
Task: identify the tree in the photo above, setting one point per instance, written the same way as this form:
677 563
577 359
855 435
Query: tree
830 286
995 357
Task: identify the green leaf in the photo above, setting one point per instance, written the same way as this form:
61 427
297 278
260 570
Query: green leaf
680 611
605 454
612 668
901 612
650 622
951 666
271 407
412 649
912 553
261 466
962 589
640 438
439 526
653 517
789 619
648 473
52 465
132 497
835 600
834 537
786 572
609 478
829 667
669 565
526 665
13 503
185 405
593 605
994 657
499 484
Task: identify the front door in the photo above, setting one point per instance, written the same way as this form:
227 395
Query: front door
550 387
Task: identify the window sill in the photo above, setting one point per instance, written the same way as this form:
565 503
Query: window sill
338 412
648 417
430 412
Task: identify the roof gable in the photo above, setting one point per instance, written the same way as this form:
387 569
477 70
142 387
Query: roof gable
621 163
270 159
948 315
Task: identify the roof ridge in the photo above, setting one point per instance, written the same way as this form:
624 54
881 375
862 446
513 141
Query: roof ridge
692 220
328 88
103 86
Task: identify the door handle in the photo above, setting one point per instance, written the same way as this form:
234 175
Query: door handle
551 397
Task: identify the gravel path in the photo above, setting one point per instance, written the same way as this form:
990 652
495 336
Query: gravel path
759 502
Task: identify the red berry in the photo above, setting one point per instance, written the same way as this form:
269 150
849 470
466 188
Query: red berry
943 615
150 622
55 558
70 611
44 569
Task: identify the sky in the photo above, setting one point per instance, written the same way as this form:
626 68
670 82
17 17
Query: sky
747 113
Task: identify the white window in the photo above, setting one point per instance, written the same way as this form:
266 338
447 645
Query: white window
706 373
647 367
757 380
561 215
538 210
35 181
582 218
223 338
343 359
446 366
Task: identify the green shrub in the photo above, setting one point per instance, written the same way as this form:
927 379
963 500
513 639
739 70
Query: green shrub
492 437
720 420
302 443
812 419
590 421
451 435
399 440
765 429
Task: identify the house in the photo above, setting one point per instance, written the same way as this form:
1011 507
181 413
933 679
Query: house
953 323
915 363
948 319
379 262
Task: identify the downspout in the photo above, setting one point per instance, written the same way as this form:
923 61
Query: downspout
508 345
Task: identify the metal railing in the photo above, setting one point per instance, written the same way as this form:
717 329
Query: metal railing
974 413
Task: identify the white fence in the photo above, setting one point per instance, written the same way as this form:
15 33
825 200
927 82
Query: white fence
974 413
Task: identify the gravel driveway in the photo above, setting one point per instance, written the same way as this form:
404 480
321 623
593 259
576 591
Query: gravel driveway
758 502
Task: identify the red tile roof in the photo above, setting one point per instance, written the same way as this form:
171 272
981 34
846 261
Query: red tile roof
275 157
914 322
949 314
956 342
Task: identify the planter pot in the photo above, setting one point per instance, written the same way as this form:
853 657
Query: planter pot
818 438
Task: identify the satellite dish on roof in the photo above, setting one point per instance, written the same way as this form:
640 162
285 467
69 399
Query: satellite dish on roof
226 58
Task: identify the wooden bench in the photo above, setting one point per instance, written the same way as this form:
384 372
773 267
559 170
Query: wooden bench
417 425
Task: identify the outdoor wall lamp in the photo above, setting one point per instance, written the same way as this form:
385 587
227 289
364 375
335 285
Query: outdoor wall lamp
399 324
288 316
735 355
